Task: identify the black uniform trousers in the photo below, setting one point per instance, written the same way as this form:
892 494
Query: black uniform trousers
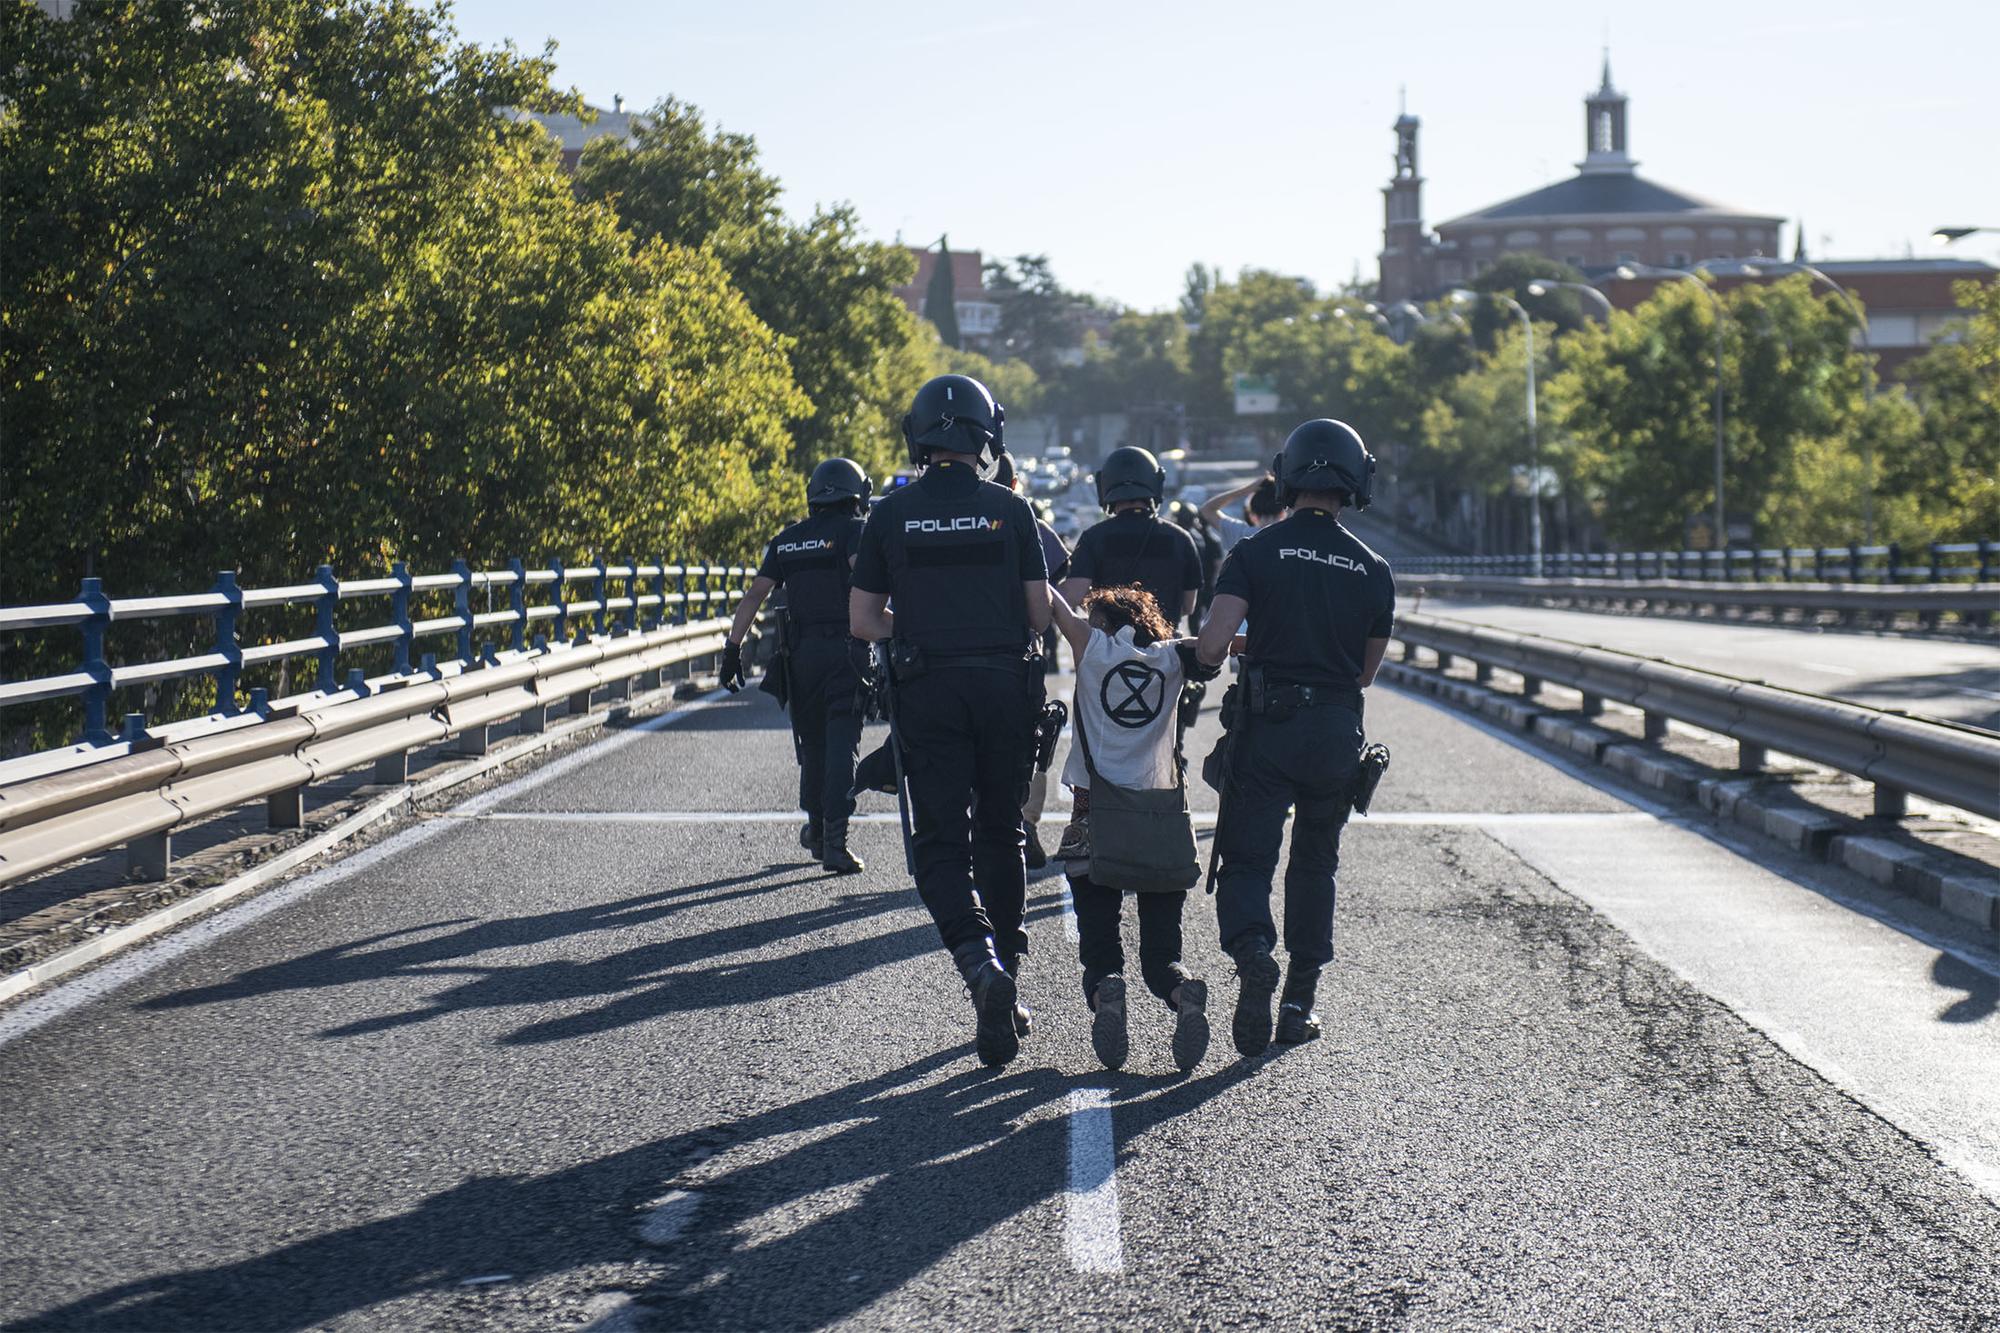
966 735
826 725
1306 759
1102 952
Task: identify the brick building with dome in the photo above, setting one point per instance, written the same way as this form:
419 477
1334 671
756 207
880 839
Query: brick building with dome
1605 215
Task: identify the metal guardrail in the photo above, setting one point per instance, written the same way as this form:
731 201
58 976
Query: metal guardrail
1940 562
651 595
59 805
1952 764
1972 602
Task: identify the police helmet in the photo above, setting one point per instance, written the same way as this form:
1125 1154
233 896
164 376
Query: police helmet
1130 473
838 481
1325 455
955 413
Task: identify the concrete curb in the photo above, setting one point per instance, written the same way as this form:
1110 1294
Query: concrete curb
1848 843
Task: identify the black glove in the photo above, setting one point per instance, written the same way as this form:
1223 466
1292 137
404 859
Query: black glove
1191 664
732 667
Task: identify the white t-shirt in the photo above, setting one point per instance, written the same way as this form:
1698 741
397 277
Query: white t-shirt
1128 697
1231 530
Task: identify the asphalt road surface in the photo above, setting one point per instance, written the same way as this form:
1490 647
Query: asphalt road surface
598 1050
1956 681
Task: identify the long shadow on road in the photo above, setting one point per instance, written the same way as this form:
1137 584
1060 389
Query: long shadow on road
363 961
931 1164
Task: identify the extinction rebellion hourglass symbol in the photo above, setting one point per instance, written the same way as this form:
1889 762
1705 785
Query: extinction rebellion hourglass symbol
1133 694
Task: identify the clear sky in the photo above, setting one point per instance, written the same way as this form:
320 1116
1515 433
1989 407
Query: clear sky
1127 140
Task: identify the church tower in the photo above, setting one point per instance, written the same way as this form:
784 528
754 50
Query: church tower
1404 251
1604 129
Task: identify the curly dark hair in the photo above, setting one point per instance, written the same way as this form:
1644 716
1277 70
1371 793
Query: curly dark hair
1264 500
1128 605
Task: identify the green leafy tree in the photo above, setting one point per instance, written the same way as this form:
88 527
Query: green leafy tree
1948 481
281 288
1637 396
1038 315
853 347
1514 273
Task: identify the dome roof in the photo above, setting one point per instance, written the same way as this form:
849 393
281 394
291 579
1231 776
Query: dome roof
1599 194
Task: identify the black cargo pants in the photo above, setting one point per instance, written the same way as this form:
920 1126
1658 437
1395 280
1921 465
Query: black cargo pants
826 724
1306 760
966 735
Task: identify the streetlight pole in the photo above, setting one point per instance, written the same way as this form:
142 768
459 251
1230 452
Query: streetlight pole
1628 272
1543 286
1867 378
1946 235
1534 436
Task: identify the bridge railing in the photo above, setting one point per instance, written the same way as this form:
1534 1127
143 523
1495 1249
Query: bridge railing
1971 604
1940 562
602 627
1952 764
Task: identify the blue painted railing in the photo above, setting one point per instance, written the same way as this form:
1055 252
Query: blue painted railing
582 602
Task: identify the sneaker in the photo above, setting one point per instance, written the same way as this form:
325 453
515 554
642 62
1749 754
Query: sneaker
1107 1027
993 996
1190 1024
1257 974
1296 1024
1033 854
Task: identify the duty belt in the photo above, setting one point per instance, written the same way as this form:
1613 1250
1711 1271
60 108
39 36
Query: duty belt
1285 695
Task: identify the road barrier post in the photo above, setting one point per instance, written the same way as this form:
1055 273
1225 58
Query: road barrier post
228 645
329 638
517 602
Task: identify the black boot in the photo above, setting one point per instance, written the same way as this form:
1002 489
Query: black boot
812 838
993 997
833 851
1257 981
1024 1017
1296 1020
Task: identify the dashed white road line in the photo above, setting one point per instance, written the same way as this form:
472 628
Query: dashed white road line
1090 1221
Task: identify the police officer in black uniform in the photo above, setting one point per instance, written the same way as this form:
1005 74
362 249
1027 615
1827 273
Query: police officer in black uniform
961 559
1321 606
1135 545
811 560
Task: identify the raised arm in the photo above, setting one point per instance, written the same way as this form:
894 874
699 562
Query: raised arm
1212 508
1074 628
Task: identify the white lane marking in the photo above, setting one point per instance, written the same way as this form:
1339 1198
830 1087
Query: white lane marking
52 1004
1830 669
486 1280
669 1218
1090 1221
1445 818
